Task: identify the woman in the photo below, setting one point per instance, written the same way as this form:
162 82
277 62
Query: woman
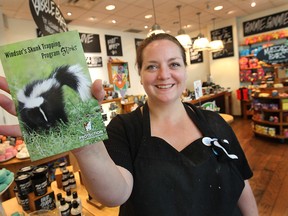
166 157
162 166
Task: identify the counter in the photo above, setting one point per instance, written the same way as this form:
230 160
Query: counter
223 100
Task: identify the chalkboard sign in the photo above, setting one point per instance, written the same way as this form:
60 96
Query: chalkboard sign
266 23
90 42
113 45
226 35
274 54
48 17
195 56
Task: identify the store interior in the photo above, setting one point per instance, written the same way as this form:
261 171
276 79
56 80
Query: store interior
245 82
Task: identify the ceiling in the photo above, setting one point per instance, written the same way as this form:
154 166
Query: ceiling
129 14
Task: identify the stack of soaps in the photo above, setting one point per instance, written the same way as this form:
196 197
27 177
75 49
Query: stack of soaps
7 151
22 151
6 177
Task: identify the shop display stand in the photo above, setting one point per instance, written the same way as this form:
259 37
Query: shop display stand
270 118
253 71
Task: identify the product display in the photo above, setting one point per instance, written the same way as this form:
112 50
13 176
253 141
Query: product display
270 112
8 147
32 189
64 209
76 209
6 178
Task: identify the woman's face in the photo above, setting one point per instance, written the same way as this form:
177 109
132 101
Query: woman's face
163 73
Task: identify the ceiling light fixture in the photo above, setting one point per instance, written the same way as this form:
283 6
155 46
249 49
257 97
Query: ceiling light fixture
216 45
110 7
219 7
156 29
149 16
201 43
253 4
182 37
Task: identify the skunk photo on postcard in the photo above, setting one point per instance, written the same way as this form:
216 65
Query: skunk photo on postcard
41 103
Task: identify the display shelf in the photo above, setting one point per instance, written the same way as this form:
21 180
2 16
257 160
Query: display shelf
250 68
112 100
269 136
109 109
270 117
264 122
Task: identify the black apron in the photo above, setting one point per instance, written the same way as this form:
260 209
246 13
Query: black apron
191 182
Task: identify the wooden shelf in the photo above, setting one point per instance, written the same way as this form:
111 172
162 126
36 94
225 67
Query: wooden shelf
267 122
269 127
267 110
112 100
267 135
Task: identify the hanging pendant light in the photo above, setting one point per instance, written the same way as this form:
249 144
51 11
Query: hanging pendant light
156 29
201 43
182 37
216 45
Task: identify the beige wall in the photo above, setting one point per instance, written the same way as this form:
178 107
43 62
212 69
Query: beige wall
224 72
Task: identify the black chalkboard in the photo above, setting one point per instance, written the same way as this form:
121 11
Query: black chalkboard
90 42
48 18
195 57
113 45
226 35
266 23
274 54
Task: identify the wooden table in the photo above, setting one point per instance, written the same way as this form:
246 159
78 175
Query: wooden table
223 100
228 118
10 206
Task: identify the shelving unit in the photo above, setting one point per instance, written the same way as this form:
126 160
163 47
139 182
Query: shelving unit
270 117
110 107
246 109
250 68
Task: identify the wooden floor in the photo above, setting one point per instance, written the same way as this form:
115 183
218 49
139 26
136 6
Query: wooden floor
268 159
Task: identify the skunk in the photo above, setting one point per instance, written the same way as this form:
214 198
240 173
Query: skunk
41 102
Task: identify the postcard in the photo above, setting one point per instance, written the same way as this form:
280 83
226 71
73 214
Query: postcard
50 84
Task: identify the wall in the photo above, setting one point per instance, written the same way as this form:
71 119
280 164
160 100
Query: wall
224 72
19 30
198 71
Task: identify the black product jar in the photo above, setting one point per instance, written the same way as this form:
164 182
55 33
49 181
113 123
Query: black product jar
24 183
62 166
39 180
26 170
24 202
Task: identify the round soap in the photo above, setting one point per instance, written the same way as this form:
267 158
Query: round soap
8 155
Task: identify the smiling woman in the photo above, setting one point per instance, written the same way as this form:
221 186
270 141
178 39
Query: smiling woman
159 149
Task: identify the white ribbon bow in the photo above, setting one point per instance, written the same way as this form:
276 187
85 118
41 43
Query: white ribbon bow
208 142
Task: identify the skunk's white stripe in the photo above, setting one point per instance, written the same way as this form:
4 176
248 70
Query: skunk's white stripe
83 87
44 116
34 99
43 87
